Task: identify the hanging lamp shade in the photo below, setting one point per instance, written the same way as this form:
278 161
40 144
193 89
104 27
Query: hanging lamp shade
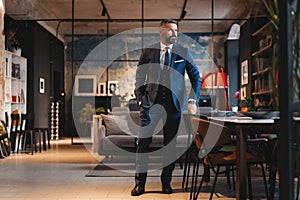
216 79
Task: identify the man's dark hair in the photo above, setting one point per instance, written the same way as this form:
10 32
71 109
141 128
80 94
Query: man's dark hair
166 21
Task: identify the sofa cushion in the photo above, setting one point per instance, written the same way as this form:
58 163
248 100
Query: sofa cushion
113 142
110 142
115 125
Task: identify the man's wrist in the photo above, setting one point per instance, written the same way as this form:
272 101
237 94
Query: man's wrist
192 101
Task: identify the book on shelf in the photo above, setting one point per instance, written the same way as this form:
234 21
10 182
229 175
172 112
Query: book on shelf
22 98
15 70
6 67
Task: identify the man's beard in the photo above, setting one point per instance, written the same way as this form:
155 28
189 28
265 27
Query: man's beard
171 40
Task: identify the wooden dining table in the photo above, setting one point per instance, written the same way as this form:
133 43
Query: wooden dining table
243 126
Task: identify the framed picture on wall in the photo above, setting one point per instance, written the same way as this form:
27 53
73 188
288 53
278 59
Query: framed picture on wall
244 72
112 87
85 85
243 93
42 85
101 89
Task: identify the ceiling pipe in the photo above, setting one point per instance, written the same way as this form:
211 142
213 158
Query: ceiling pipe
183 11
104 10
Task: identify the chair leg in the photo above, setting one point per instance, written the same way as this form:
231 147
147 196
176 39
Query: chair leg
207 173
24 141
187 176
298 187
215 182
200 186
249 183
233 177
265 180
272 180
48 138
185 171
13 141
196 179
19 142
43 138
36 139
193 182
31 141
40 141
228 176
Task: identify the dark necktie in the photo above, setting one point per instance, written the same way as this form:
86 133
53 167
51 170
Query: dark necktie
167 57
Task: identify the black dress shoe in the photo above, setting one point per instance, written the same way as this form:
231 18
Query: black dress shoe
167 190
137 190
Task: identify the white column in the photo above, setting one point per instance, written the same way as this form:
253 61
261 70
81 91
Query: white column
2 63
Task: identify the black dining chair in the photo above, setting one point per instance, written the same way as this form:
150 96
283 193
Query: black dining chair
14 131
6 119
189 156
217 155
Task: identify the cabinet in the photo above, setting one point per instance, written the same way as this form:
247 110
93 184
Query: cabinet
15 74
262 52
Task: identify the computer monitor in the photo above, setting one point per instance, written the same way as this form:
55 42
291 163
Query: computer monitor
205 101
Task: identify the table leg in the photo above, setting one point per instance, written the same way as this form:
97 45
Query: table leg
241 167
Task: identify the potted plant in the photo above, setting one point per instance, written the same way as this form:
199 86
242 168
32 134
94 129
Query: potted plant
100 110
13 38
86 113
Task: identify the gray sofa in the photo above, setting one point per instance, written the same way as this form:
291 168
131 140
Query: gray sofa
117 134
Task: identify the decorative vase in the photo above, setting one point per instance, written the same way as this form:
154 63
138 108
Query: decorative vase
17 51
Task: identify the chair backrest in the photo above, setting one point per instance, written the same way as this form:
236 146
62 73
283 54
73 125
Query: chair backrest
209 134
14 122
25 118
6 119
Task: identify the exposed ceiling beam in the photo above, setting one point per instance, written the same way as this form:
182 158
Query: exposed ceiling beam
105 11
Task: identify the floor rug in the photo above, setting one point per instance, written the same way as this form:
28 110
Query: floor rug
125 169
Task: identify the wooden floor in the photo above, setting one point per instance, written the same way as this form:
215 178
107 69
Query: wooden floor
59 173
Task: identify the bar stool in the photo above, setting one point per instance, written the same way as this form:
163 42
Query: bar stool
44 134
26 133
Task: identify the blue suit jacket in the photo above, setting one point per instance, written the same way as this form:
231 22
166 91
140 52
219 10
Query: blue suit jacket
148 76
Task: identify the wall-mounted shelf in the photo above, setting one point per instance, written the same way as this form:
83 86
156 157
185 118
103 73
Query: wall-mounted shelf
262 92
264 51
258 49
260 72
267 28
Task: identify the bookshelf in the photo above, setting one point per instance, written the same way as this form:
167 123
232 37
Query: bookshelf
15 73
262 55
